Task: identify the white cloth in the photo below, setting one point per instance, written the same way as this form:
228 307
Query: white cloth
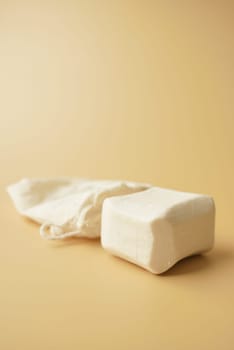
67 207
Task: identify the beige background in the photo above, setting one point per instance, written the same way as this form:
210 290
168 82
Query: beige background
140 90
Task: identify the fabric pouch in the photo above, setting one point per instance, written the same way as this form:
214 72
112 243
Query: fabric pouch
67 207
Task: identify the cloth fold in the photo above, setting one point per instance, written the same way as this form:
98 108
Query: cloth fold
67 207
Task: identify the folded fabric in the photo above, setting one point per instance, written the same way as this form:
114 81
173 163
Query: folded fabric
67 207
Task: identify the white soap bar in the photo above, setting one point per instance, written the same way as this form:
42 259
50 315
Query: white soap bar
158 227
67 206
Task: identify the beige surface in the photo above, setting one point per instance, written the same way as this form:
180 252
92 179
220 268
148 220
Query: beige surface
141 90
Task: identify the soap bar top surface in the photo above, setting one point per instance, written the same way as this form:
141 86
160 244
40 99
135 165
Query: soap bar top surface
156 202
158 227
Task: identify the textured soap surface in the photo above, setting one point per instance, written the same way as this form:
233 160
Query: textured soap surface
158 227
